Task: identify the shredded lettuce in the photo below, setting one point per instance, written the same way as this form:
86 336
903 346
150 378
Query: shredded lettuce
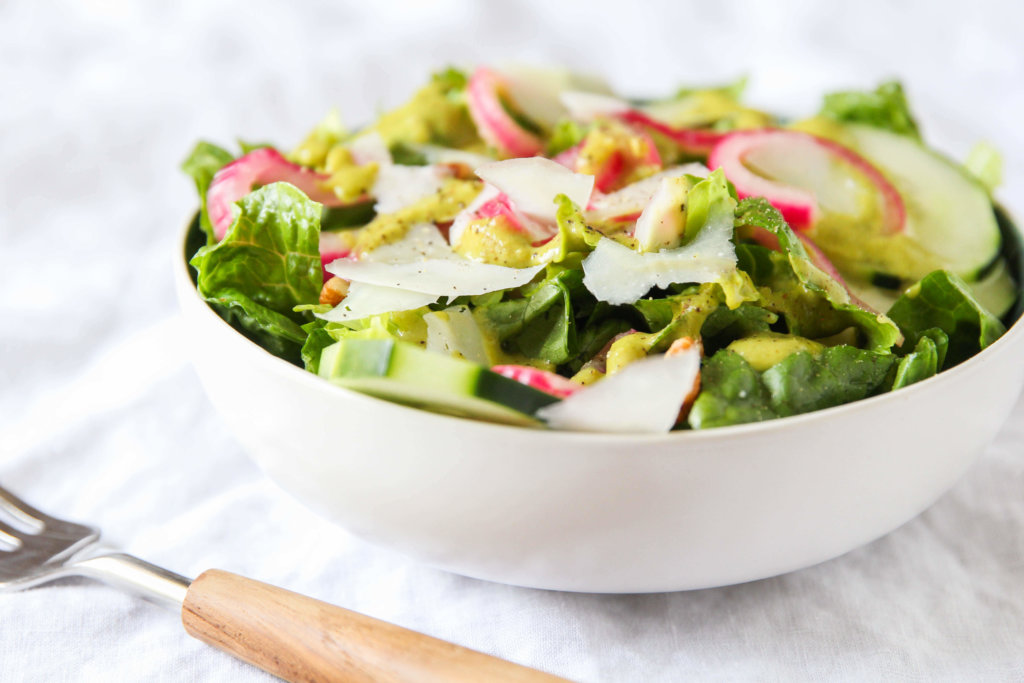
885 107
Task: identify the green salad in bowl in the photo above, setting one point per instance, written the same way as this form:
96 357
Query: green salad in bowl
527 247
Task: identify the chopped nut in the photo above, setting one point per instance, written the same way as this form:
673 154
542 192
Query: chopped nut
459 170
334 290
679 346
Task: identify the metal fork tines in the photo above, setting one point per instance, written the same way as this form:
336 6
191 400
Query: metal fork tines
36 544
36 548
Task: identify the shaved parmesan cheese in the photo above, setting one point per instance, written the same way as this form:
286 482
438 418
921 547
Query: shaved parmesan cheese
663 221
454 332
586 106
397 187
619 275
421 241
440 277
644 397
633 198
363 300
533 183
370 148
423 262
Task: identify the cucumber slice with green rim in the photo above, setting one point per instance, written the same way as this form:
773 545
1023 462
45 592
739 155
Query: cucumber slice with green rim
404 373
950 220
997 291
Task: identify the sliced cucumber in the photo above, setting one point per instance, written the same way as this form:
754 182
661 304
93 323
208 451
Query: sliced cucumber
949 216
997 291
406 374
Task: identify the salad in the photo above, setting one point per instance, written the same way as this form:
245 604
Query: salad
525 246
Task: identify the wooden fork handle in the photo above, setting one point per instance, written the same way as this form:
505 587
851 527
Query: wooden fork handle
298 638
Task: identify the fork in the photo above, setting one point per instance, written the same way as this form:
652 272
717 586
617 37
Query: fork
287 634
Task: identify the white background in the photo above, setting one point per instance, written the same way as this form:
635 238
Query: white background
101 419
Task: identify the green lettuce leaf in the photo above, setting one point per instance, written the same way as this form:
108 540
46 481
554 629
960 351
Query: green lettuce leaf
267 264
724 325
813 303
202 163
885 107
574 235
942 300
919 364
732 392
317 339
566 133
541 324
802 383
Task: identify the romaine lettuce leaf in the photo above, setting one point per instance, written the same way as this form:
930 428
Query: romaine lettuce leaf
802 292
725 325
732 392
885 107
317 339
919 364
574 235
542 323
840 374
267 264
942 300
202 163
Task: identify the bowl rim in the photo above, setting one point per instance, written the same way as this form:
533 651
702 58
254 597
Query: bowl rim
282 367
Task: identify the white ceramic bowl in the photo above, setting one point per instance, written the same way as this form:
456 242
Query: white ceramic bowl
596 512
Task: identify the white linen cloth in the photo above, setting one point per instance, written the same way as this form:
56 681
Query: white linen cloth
103 421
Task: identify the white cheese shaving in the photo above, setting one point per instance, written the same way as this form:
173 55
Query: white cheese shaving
533 183
663 221
454 332
645 397
421 241
364 300
440 277
618 275
635 196
395 186
423 262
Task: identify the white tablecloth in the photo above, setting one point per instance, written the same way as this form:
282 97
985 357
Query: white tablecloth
102 419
